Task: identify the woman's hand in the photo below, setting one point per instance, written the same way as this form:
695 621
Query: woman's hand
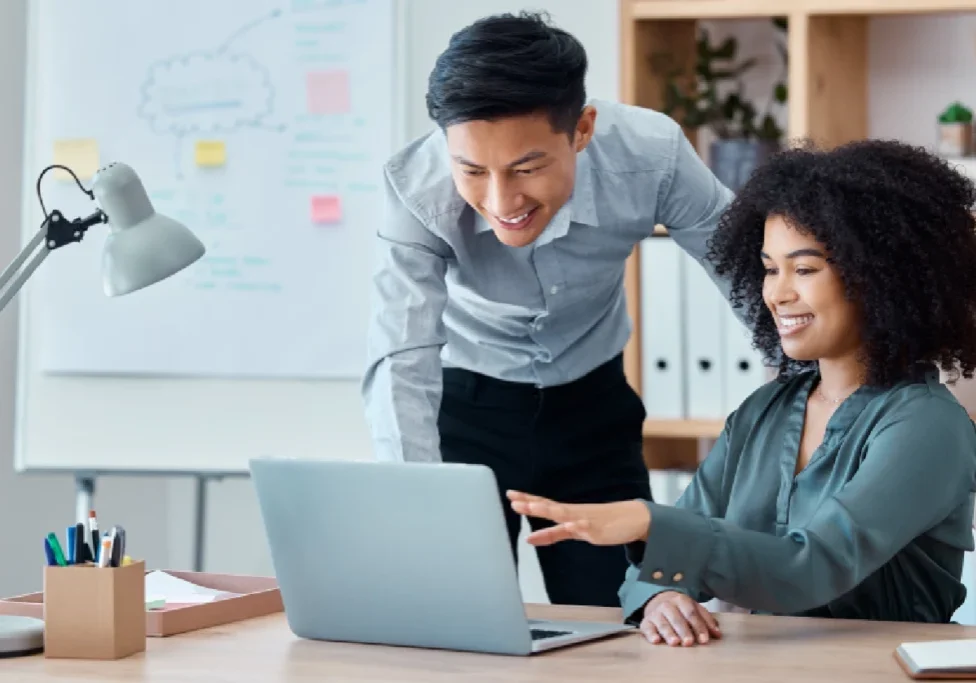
598 524
674 618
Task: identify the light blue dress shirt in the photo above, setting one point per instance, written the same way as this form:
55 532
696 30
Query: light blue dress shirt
446 292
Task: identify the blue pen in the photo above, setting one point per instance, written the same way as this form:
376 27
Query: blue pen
51 562
71 539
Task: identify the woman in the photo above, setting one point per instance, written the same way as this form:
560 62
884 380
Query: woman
845 487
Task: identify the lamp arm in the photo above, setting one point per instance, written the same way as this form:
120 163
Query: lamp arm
56 231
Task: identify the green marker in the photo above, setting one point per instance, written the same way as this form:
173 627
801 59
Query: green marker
52 538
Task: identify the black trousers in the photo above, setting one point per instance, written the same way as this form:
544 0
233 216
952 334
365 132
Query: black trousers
575 443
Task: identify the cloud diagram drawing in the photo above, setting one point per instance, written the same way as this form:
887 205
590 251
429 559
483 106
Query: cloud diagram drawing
206 92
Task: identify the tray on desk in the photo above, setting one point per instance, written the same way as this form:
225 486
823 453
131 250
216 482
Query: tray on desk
257 597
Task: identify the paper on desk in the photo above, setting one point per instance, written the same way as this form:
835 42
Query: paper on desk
174 590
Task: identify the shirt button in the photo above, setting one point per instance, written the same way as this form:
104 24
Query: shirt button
677 577
554 289
539 326
657 575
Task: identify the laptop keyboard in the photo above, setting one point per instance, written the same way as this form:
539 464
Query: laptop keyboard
541 633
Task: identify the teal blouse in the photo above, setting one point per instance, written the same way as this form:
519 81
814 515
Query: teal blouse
874 527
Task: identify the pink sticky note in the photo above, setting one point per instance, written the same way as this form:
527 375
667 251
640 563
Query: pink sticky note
327 92
326 208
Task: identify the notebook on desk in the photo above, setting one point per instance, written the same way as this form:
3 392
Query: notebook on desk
938 659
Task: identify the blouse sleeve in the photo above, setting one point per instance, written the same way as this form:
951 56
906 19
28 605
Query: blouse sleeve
917 469
702 498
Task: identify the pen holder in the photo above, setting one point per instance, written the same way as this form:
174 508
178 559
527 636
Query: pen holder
94 612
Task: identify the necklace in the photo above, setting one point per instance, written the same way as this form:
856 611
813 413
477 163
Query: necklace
835 401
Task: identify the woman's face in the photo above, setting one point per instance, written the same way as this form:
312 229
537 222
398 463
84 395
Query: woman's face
805 294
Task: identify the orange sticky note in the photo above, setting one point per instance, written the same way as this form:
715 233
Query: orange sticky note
78 154
327 92
326 208
210 153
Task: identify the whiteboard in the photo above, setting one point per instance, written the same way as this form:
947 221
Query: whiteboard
260 124
191 376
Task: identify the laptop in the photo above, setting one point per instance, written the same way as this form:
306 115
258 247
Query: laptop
405 554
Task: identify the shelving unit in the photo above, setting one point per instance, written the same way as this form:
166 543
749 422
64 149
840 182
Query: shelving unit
828 74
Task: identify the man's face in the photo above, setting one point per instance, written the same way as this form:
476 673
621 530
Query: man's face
516 172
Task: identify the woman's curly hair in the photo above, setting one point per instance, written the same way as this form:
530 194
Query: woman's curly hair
898 227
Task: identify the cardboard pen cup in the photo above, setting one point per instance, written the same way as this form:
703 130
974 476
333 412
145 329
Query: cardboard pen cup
94 612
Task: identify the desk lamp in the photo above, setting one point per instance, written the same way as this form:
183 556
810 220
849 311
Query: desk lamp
142 248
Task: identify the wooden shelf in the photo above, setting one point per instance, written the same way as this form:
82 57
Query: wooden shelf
828 102
710 9
746 9
683 429
883 7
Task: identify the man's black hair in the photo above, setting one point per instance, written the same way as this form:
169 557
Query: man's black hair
509 65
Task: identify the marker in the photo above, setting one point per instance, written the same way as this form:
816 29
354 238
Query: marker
118 546
71 541
52 539
81 548
105 554
93 530
49 554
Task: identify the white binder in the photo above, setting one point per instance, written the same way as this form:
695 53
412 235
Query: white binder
662 347
704 314
743 365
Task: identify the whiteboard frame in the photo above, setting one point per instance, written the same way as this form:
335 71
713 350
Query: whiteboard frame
30 217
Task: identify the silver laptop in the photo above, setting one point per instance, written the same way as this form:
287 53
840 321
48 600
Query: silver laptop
409 554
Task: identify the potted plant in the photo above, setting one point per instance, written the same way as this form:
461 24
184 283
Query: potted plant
712 97
956 131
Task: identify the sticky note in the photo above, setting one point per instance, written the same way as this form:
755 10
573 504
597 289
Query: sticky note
326 208
211 153
327 92
78 154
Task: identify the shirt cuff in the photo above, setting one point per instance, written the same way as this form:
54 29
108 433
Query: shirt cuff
679 545
634 595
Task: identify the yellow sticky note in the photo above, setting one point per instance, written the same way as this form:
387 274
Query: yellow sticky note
78 154
211 153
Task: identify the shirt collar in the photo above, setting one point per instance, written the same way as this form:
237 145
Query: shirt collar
580 208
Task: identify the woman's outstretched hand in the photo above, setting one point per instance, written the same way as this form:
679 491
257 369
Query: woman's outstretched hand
599 524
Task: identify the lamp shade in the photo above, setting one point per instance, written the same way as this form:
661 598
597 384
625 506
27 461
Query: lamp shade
143 247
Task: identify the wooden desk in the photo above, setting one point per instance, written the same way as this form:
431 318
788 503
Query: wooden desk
753 649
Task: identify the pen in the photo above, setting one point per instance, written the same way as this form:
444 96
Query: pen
93 530
49 554
71 545
52 539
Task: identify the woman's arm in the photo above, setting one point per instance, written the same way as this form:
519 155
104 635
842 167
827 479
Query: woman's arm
627 523
918 468
704 497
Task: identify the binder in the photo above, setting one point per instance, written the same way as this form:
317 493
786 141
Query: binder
662 343
704 310
742 365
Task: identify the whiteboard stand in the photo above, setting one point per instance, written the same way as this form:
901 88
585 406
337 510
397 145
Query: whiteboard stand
85 502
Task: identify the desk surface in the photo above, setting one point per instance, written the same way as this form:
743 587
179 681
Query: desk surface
754 649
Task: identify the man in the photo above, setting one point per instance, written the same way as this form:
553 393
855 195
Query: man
499 311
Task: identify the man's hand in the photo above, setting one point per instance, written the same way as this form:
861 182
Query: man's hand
598 524
676 619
